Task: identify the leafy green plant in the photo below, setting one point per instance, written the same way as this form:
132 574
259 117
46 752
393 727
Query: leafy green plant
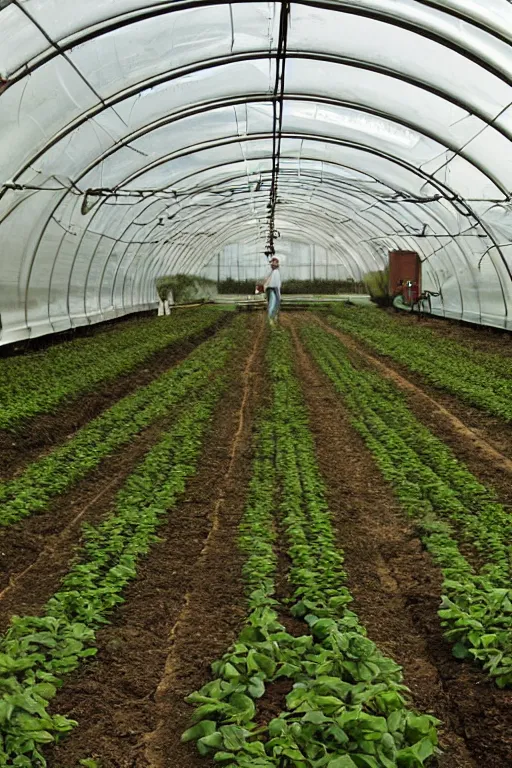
347 706
481 379
51 475
447 503
38 383
37 652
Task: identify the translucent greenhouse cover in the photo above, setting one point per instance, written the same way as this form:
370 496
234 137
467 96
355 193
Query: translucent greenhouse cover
137 140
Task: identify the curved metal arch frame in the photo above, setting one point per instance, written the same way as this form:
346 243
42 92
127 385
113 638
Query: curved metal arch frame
227 232
60 48
231 227
213 209
440 186
193 150
349 240
255 56
427 211
462 253
183 249
415 171
211 214
195 173
459 246
260 214
330 5
440 5
128 225
249 99
341 203
391 117
317 191
319 213
297 220
314 186
55 208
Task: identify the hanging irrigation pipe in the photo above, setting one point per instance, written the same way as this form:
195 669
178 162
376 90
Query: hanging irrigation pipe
277 127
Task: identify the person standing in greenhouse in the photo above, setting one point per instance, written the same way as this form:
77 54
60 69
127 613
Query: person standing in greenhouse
272 286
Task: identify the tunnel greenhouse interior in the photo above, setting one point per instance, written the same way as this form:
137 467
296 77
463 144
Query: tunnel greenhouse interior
145 139
255 384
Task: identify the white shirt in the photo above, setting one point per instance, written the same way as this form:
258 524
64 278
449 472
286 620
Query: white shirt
274 280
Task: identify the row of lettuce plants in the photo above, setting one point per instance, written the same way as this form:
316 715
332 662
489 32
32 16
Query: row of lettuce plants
38 651
37 383
448 484
347 704
447 503
56 472
481 379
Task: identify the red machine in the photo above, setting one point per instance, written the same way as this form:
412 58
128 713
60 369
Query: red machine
405 275
405 283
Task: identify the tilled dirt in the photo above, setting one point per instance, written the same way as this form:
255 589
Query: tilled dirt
469 445
36 436
182 612
186 606
35 552
273 701
397 589
491 428
482 338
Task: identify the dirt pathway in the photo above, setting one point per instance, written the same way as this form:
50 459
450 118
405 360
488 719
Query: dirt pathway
477 449
39 435
181 613
214 606
397 588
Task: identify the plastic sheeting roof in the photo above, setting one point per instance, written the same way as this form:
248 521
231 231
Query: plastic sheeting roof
136 140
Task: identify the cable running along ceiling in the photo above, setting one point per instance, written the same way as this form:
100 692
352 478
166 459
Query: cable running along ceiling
140 139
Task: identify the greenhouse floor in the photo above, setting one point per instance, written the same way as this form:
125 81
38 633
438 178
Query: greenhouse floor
187 602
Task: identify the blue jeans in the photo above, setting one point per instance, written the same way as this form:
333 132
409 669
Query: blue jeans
274 300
